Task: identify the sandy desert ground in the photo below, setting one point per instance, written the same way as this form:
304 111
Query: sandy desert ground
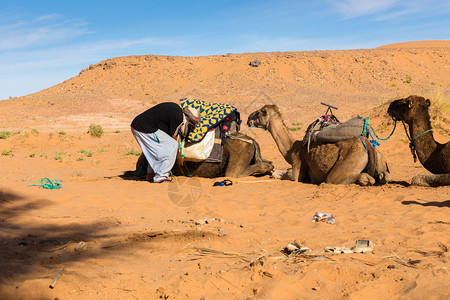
123 238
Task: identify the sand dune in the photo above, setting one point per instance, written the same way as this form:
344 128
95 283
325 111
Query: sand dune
188 239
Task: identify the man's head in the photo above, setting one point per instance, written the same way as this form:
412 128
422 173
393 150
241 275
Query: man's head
192 117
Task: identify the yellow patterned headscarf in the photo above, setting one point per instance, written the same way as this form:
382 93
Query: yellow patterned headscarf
211 113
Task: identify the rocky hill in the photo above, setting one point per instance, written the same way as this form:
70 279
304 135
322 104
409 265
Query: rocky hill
353 80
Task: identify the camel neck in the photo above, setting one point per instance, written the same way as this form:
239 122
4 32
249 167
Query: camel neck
281 136
423 140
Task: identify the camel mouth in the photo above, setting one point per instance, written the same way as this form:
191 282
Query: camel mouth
251 123
393 115
251 120
391 109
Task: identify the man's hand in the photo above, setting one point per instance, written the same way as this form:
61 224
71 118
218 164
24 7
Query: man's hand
180 160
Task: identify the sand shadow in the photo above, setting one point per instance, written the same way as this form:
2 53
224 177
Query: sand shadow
24 246
402 183
445 203
47 246
128 175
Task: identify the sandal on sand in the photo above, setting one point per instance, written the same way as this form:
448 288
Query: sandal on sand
362 246
225 182
339 250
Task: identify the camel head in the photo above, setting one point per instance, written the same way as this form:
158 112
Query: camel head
261 117
409 108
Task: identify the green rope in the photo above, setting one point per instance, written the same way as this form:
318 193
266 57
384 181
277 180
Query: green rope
267 124
238 136
367 128
181 148
48 184
411 140
184 162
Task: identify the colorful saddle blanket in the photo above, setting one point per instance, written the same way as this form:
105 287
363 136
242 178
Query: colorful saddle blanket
212 114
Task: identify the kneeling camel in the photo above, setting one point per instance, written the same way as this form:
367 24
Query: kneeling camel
241 157
344 162
435 157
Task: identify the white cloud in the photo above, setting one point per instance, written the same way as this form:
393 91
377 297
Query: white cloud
356 8
382 10
39 31
24 71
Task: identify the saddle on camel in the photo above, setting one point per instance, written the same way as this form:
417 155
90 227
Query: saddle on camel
215 147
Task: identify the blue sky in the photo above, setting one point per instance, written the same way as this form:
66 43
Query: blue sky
43 43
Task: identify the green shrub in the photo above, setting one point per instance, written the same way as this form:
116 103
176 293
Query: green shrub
297 126
6 152
133 152
5 134
59 158
85 153
408 79
95 130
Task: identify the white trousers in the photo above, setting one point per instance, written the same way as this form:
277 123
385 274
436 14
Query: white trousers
160 150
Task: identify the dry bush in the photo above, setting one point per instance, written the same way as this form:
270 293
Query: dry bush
440 113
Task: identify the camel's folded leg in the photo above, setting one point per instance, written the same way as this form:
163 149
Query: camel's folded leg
349 169
384 177
258 157
365 179
283 174
258 169
432 180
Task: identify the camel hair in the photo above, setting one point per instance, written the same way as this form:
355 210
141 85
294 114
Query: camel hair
344 162
241 157
435 157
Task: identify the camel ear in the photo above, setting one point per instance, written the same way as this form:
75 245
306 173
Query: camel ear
428 102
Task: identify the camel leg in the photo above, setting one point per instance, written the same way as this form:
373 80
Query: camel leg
240 161
382 173
296 173
384 177
250 170
433 180
365 179
258 156
349 166
283 174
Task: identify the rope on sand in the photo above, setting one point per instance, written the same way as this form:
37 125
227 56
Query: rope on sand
48 184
